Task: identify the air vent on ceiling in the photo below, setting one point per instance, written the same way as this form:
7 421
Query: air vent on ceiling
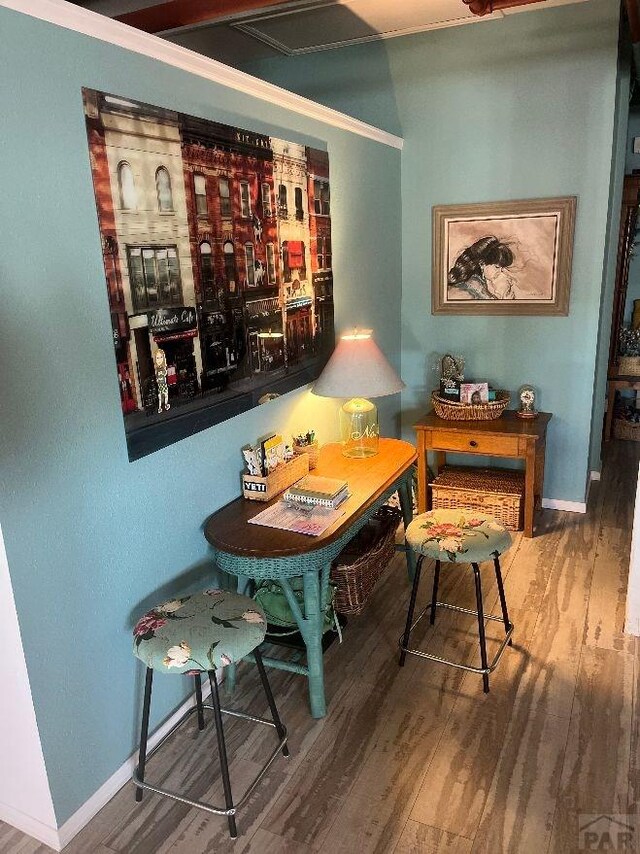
344 22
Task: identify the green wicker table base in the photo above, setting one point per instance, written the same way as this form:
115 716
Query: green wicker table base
313 568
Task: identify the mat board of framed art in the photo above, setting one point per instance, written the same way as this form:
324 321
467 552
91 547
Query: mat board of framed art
503 258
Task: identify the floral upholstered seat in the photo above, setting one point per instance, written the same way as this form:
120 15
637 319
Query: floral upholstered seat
464 536
200 632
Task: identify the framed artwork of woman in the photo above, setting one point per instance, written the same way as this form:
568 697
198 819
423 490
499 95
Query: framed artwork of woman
503 257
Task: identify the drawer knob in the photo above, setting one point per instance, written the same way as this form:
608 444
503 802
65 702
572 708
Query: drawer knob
473 443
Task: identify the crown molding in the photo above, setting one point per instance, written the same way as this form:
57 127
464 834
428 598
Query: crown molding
80 20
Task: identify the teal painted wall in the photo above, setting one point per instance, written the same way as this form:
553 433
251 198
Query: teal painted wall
621 121
358 80
92 539
517 108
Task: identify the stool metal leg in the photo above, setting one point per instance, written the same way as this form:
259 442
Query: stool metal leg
280 728
222 753
434 595
198 683
412 606
503 601
483 640
405 495
144 732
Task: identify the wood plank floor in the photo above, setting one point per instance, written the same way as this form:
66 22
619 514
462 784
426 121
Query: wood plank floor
417 760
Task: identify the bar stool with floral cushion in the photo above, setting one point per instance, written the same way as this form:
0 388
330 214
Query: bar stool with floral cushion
197 634
458 536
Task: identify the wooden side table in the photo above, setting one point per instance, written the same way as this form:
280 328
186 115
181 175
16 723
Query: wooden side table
507 436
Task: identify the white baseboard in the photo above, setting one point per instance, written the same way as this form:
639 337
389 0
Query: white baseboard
632 626
31 826
120 778
594 476
568 506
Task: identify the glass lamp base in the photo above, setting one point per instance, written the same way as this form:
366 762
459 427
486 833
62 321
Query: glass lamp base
359 429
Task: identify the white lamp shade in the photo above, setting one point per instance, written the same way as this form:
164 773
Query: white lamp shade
357 368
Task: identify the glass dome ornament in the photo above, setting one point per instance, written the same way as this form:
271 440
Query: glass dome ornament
527 398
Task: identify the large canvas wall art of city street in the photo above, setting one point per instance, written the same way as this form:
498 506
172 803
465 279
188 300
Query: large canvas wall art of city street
217 255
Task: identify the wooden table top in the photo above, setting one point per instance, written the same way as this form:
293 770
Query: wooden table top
228 530
508 423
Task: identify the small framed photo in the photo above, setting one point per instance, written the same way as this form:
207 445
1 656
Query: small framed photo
450 389
503 258
474 393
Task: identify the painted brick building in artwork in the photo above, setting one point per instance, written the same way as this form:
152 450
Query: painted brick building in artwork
320 245
137 163
228 176
290 179
111 258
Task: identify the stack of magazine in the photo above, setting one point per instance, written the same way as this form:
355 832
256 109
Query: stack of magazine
318 491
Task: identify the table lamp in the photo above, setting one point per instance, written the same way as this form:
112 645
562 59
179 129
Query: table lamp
358 370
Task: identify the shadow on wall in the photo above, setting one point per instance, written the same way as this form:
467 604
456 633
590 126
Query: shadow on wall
416 400
200 576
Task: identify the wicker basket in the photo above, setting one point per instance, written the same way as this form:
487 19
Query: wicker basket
629 366
498 492
452 410
623 429
257 488
312 451
356 570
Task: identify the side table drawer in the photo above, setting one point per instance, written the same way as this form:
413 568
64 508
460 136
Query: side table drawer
474 443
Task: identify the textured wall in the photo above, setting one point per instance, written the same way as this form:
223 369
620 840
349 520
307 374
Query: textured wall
92 539
512 109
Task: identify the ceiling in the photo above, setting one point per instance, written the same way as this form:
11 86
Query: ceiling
235 31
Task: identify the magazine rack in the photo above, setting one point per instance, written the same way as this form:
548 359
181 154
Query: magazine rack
256 488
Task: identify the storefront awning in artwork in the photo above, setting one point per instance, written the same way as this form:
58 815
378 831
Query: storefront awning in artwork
180 321
176 336
298 302
258 307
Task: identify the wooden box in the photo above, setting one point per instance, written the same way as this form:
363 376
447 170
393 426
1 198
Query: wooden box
498 492
257 488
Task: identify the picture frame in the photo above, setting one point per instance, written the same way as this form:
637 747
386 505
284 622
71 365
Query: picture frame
503 258
474 393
